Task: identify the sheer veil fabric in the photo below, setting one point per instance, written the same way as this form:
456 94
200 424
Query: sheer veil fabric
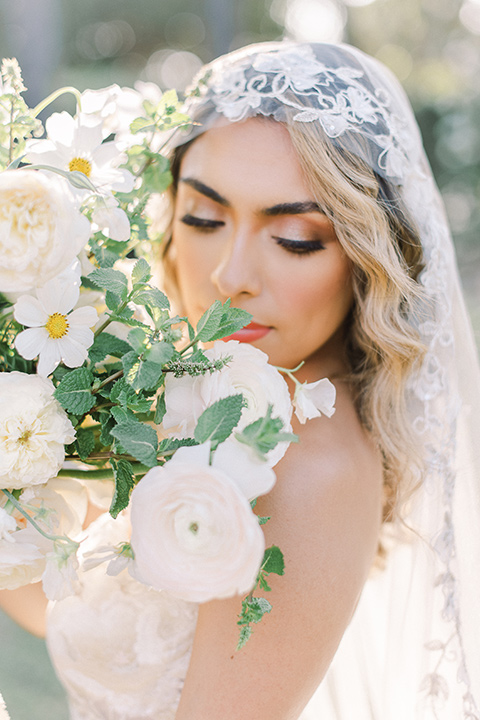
413 647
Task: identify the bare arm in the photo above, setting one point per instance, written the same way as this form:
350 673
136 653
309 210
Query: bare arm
325 513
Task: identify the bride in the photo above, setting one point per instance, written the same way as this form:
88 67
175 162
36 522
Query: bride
302 193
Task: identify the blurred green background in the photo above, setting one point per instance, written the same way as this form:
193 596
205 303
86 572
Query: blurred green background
433 46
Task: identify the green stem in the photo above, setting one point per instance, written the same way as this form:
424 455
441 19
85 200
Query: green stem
62 91
108 320
110 379
23 512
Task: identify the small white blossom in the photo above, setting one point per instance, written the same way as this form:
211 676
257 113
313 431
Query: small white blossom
33 430
110 219
76 144
60 578
314 399
55 333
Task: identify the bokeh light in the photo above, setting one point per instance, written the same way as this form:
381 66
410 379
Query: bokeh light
315 20
172 68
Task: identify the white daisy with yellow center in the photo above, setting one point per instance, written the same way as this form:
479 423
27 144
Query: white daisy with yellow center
77 144
55 332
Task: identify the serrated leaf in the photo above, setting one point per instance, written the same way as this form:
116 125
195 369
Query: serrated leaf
84 442
141 272
123 415
160 353
231 322
74 391
112 280
169 444
138 440
160 410
217 421
245 633
149 295
124 482
141 124
107 422
208 324
273 561
106 344
139 373
262 520
136 339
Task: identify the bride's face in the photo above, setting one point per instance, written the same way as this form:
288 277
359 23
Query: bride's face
246 228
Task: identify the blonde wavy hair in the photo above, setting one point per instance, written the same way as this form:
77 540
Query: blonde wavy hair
383 245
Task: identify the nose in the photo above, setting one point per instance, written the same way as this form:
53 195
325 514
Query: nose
238 270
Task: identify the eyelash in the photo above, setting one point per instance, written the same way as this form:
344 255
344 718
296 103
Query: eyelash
297 247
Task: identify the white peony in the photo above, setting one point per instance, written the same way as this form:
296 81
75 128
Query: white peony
193 532
248 373
33 430
41 229
312 400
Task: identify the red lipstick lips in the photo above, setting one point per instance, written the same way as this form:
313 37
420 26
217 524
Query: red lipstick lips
250 333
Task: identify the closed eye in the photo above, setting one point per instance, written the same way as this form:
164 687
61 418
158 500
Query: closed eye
300 247
201 223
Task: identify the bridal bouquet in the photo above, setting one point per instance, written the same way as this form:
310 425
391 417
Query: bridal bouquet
101 382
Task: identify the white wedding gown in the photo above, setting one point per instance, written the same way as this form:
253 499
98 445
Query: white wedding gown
120 649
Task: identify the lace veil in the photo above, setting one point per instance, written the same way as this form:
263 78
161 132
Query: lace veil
413 648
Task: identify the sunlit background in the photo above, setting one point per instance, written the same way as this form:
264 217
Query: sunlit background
433 46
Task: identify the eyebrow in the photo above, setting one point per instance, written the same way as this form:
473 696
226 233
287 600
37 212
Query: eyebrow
294 208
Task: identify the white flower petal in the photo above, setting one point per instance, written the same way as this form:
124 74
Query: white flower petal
60 295
60 127
29 311
81 335
113 222
73 354
86 315
49 358
252 476
314 399
31 342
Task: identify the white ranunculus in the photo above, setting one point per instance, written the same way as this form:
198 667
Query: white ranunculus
252 476
193 532
314 399
33 431
248 373
41 229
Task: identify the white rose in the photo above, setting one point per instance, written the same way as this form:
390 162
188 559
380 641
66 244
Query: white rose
248 373
314 399
193 532
33 430
41 228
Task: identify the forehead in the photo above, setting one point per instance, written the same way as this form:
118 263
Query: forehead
254 157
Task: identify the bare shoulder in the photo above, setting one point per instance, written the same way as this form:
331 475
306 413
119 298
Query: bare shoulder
325 512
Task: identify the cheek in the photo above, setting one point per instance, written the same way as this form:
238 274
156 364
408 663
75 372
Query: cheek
322 294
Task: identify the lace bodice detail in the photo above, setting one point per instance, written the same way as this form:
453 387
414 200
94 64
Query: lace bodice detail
120 648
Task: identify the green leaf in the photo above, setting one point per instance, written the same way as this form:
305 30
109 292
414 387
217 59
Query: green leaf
264 434
217 421
160 352
124 482
85 442
149 295
262 520
112 280
245 633
136 339
74 391
209 322
160 410
273 561
232 320
107 422
141 272
169 444
139 373
138 440
123 415
106 344
141 124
